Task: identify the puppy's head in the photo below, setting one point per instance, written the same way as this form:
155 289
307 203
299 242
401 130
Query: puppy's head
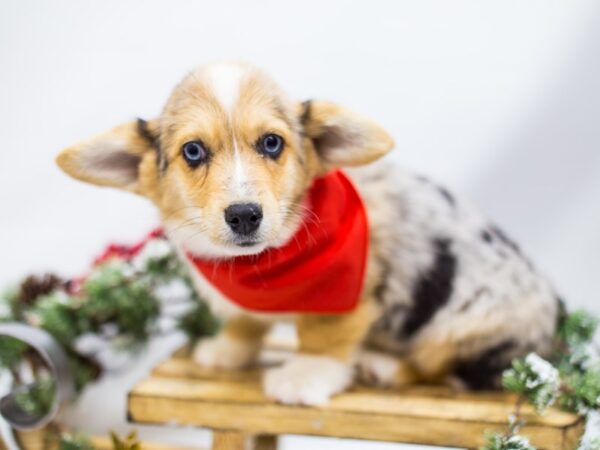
229 160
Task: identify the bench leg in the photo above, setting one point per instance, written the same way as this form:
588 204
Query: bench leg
229 440
265 442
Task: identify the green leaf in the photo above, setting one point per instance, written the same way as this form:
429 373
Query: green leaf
8 304
578 328
11 351
84 370
503 442
113 298
75 442
582 391
534 378
57 315
37 398
198 322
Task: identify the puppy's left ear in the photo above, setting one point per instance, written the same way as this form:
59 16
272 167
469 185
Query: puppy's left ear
112 158
341 137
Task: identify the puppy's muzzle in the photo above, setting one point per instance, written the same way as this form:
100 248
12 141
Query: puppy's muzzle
243 218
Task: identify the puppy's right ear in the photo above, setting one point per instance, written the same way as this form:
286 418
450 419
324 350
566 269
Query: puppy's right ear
341 137
112 158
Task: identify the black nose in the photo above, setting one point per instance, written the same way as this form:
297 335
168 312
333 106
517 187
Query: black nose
243 218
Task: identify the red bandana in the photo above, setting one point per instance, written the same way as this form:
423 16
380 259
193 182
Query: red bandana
320 270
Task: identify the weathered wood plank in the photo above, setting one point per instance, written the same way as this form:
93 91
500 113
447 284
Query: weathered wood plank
186 369
360 400
183 368
411 416
230 440
265 442
41 439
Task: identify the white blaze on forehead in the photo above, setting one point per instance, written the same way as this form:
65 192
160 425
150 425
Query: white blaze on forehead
225 80
240 184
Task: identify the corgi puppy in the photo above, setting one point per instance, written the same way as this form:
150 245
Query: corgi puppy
230 163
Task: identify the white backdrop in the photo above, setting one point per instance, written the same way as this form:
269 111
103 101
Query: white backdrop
499 100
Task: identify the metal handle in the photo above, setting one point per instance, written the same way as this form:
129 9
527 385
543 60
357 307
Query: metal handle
64 387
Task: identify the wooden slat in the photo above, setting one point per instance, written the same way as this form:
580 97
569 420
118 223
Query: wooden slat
265 442
186 369
230 440
183 368
177 393
367 401
40 439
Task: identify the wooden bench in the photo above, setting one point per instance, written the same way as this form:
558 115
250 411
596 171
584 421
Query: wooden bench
233 406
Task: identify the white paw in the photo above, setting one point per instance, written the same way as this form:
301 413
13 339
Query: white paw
377 369
223 352
307 380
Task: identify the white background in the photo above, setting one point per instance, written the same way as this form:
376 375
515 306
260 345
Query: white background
499 100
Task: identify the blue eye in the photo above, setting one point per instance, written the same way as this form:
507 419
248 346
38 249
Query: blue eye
271 145
194 153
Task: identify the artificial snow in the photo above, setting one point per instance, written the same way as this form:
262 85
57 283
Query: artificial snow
546 372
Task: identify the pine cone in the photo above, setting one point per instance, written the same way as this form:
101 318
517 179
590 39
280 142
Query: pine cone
35 286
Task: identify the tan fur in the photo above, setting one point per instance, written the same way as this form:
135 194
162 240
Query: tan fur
328 119
192 113
335 335
318 136
81 161
245 329
407 374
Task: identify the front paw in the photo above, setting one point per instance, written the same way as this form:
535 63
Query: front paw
377 369
307 380
224 352
385 370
